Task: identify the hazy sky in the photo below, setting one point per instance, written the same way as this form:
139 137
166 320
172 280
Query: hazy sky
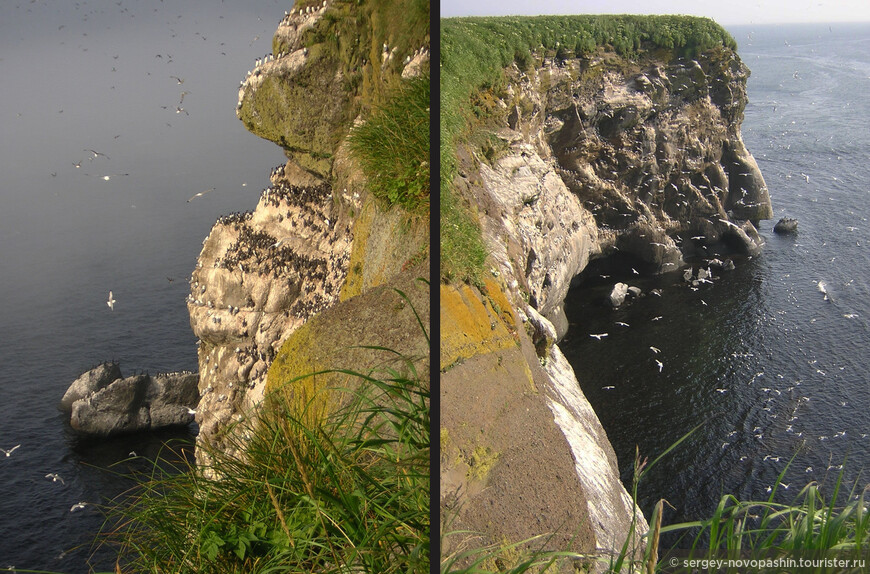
726 13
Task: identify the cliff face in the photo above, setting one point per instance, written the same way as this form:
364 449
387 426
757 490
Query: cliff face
637 162
315 240
651 150
260 276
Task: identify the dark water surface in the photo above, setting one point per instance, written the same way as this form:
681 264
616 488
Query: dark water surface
97 75
767 366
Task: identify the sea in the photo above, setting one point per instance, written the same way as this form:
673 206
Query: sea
151 87
766 368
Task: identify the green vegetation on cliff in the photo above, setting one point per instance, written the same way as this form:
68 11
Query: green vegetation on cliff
309 112
392 147
474 54
344 493
353 34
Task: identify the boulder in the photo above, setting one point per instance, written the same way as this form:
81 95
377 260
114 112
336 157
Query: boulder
137 403
786 226
89 383
618 293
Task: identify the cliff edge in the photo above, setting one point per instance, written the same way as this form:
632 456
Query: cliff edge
318 239
614 140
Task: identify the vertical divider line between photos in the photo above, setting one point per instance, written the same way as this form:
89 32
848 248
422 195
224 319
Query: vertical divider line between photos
434 290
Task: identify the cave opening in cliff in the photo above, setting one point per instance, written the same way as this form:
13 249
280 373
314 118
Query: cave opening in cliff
612 268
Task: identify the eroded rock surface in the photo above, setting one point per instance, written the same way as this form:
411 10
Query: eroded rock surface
259 276
317 237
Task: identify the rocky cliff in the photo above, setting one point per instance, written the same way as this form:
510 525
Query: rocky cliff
635 162
317 239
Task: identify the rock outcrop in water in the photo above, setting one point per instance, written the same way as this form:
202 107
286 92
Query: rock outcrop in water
637 163
317 239
786 226
103 403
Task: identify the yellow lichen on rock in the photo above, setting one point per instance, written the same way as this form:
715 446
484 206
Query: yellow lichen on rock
350 336
385 242
471 325
292 373
362 227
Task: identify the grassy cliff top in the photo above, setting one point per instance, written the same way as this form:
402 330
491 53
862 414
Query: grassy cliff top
474 54
474 51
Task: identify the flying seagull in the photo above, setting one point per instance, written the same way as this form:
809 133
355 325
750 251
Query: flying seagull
78 506
177 79
55 477
97 154
660 364
10 451
201 193
111 302
598 336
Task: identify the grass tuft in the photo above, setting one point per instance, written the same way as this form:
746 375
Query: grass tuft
350 493
808 528
392 147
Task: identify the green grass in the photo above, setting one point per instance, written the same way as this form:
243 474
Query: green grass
353 33
348 494
463 252
475 52
392 147
811 527
345 75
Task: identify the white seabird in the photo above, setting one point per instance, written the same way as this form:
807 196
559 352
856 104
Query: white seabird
111 301
200 194
10 451
55 477
96 154
823 287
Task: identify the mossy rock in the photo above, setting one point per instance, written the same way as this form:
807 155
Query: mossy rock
341 337
308 112
384 243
